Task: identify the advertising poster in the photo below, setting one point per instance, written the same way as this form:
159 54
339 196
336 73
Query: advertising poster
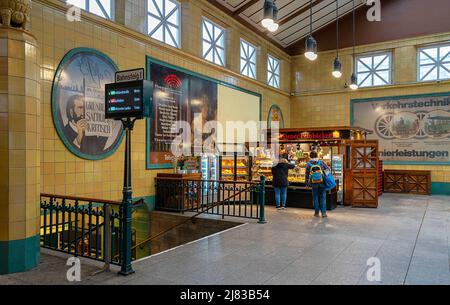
78 104
177 96
413 129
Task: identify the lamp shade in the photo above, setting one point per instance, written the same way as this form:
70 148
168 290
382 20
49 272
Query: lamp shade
268 13
311 48
274 26
354 82
337 68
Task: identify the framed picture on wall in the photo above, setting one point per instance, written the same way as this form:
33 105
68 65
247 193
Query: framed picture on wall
78 104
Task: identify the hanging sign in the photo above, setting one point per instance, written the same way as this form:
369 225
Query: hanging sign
129 75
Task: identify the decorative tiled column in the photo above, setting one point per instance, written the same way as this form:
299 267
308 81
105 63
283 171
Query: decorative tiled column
19 142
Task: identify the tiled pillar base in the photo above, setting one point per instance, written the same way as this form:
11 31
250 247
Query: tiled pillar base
19 151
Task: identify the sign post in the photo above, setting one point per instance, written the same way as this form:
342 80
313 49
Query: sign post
127 201
127 102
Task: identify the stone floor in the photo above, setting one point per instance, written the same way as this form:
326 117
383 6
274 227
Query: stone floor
409 235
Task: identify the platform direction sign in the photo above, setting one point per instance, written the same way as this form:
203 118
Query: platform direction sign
129 75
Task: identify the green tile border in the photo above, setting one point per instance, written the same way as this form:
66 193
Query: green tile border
19 255
440 188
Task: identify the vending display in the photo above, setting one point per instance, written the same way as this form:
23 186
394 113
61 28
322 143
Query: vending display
209 168
338 174
298 156
235 168
262 164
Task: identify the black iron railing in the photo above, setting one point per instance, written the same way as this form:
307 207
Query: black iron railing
225 198
82 227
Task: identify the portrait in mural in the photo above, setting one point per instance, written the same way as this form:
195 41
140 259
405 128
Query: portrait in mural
78 104
275 115
409 128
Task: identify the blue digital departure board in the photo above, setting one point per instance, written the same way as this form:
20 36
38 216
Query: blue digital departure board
128 99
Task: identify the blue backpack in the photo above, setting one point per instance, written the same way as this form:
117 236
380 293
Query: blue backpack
316 173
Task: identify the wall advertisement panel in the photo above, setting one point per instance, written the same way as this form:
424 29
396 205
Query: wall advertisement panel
180 95
410 129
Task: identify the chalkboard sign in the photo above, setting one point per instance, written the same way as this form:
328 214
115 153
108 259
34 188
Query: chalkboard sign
128 99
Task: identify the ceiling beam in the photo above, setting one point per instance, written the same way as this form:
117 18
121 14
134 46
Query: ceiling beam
251 27
299 12
245 7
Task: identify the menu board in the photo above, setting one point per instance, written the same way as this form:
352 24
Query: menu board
127 99
177 96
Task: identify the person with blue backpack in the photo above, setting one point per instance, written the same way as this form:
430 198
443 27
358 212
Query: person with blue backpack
316 177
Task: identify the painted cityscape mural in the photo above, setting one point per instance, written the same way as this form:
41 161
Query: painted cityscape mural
410 129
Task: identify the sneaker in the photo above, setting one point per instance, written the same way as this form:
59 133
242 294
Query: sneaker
284 208
316 215
278 208
324 215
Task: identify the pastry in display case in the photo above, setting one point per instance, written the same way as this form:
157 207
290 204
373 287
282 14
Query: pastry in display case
299 158
227 168
235 168
262 164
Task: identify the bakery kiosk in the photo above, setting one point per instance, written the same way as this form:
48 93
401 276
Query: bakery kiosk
352 158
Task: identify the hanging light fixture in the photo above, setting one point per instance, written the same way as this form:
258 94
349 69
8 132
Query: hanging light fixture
268 14
273 27
311 43
354 78
337 66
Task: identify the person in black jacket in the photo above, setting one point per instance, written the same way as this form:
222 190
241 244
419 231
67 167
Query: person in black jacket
280 182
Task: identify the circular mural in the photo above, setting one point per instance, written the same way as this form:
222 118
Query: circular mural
78 104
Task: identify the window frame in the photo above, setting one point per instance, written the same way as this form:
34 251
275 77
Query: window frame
147 32
438 64
373 71
86 3
202 39
248 61
269 56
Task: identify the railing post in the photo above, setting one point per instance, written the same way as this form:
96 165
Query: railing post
262 200
107 243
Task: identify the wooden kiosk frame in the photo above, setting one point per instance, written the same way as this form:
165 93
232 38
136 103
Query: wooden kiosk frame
360 158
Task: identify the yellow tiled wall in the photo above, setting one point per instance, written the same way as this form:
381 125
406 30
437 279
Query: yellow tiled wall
64 173
19 136
322 100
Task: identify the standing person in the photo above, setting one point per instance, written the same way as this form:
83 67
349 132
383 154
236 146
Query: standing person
280 182
315 177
